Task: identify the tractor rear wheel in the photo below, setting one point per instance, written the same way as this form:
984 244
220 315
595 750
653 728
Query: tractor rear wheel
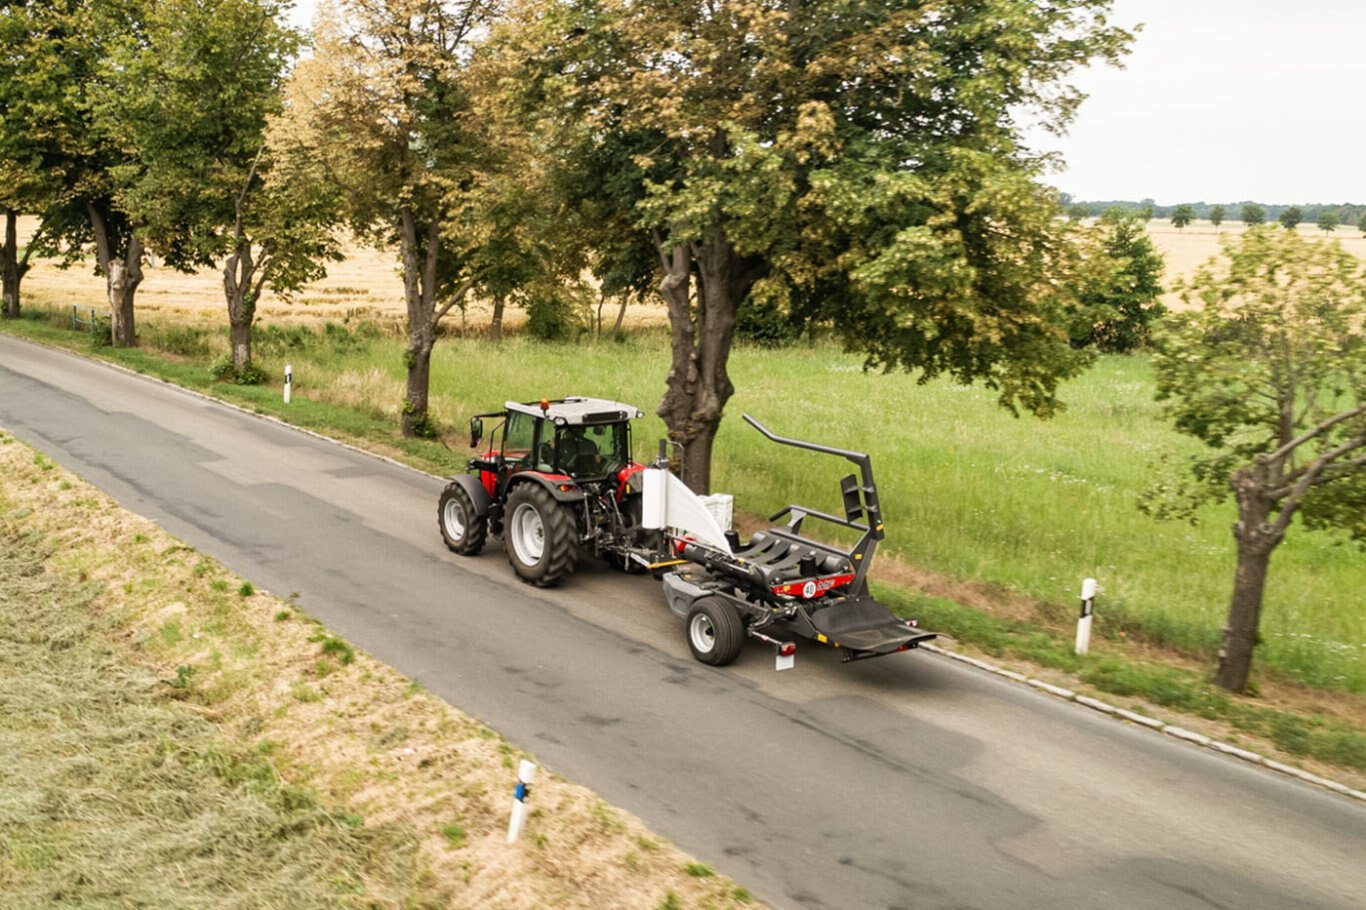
715 632
539 536
462 529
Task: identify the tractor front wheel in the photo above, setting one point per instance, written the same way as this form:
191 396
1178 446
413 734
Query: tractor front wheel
539 536
462 529
715 632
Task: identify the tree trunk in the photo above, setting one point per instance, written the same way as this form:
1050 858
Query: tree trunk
1256 537
698 385
12 269
621 317
419 284
243 278
496 326
122 278
416 421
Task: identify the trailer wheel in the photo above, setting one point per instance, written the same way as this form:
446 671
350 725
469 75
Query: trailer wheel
715 633
539 536
462 529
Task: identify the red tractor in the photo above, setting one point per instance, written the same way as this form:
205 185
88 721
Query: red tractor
555 480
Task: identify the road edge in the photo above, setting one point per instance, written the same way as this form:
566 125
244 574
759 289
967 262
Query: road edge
1152 723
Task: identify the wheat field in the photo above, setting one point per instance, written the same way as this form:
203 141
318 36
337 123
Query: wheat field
367 284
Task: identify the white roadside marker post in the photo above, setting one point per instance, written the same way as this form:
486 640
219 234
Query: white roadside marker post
526 773
289 381
1088 603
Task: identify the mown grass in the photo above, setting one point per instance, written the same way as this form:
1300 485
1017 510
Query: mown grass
967 490
116 790
174 737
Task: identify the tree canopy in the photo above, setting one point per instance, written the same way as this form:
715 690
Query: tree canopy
857 163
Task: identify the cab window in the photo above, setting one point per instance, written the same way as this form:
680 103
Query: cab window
519 436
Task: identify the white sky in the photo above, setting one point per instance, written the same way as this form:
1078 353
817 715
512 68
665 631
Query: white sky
1220 101
1225 101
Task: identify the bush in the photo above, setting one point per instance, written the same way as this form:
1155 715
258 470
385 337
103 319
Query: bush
766 325
185 340
223 370
1119 304
550 316
275 340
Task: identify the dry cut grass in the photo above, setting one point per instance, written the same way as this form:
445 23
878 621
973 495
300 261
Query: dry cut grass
367 285
1186 250
174 738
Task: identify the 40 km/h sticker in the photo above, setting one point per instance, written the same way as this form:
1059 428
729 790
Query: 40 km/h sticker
813 587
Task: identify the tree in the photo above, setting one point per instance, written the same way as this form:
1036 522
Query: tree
1269 373
23 185
1327 221
1253 214
41 62
860 166
1291 216
79 91
1121 299
1145 211
1216 216
192 95
15 194
1182 216
384 106
1361 225
1077 211
85 147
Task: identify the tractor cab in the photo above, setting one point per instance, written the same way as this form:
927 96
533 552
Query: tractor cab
579 439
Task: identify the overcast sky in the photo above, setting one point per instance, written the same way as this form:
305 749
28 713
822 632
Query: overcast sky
1223 101
1220 101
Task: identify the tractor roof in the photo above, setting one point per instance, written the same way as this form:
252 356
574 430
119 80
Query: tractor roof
578 410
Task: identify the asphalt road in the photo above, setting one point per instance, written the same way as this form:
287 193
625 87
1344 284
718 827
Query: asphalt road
905 782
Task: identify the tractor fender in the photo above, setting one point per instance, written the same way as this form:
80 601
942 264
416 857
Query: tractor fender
478 495
552 484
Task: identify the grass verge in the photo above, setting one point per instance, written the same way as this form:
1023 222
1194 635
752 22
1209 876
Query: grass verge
174 737
1311 731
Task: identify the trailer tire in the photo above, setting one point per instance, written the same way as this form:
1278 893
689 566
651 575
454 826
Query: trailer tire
463 530
715 632
538 534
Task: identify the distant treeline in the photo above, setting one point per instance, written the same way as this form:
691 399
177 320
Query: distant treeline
1348 213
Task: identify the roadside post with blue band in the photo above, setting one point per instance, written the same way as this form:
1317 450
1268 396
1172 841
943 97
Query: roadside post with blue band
526 774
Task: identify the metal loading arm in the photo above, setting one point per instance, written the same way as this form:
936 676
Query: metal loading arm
860 502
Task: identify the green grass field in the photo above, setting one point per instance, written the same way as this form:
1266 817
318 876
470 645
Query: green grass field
967 490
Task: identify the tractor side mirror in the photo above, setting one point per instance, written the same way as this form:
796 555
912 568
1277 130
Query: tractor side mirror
476 431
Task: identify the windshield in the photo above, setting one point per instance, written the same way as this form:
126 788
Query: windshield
588 451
